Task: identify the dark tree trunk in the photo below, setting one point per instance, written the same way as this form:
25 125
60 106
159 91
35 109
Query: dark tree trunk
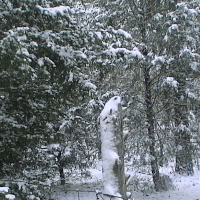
150 129
161 154
61 170
62 176
1 168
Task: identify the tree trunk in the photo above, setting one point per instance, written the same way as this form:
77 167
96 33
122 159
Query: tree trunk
150 128
61 170
113 150
62 176
161 154
1 168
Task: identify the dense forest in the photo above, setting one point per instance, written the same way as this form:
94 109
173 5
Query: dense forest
62 60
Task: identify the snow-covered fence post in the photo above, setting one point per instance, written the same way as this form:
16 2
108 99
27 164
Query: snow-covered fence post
112 149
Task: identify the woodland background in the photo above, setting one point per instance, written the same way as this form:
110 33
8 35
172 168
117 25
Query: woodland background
62 60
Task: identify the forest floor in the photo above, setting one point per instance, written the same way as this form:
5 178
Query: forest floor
185 187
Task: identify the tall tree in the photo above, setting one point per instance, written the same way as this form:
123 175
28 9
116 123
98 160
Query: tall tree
184 38
45 82
158 29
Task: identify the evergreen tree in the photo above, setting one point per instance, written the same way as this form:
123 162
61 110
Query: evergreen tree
159 31
45 82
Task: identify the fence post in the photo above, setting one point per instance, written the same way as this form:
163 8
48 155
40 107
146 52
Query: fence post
112 149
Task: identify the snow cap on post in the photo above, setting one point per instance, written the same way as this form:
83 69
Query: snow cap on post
110 107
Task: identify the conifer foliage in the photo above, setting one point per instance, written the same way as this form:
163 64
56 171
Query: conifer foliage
60 61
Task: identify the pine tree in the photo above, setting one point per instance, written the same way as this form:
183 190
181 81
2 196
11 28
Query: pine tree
45 82
159 31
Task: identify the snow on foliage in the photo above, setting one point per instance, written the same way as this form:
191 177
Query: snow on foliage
188 52
10 196
80 54
134 53
123 33
173 27
191 95
99 35
54 146
195 66
166 37
108 148
71 76
4 189
23 51
171 81
158 16
54 11
89 85
66 10
158 59
190 11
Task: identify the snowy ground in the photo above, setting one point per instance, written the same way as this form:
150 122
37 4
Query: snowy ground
186 188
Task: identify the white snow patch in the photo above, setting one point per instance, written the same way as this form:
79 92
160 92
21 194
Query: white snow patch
166 38
71 76
54 147
21 38
171 81
110 106
182 4
67 151
186 187
192 95
188 52
192 11
158 16
34 44
99 35
10 196
66 52
113 51
23 51
55 10
26 68
25 28
41 62
123 33
96 174
63 124
4 189
158 59
89 85
31 197
173 27
80 54
189 38
108 189
108 146
112 155
125 132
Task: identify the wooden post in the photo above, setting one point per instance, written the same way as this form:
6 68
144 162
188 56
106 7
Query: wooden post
113 150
